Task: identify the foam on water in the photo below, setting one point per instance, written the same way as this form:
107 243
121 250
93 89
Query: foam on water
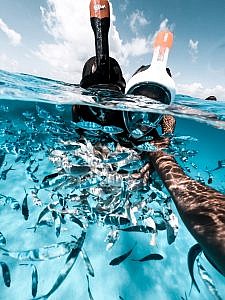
38 139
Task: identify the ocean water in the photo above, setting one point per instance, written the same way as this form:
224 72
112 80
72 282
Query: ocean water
54 186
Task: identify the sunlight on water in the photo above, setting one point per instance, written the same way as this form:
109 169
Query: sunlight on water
64 200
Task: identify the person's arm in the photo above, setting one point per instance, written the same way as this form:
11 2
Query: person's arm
201 208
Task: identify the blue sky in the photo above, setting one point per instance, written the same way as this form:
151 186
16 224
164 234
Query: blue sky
53 38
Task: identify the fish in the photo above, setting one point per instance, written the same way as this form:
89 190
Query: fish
88 125
2 158
116 158
41 254
151 223
220 165
87 263
4 173
70 261
89 290
184 138
5 274
111 238
171 228
206 278
2 239
34 280
76 220
133 166
146 147
13 203
36 200
42 214
77 170
57 222
150 257
28 169
139 228
25 210
91 182
112 129
193 253
52 183
115 220
50 176
118 260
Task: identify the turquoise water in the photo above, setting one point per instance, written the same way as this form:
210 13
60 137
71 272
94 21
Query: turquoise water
37 139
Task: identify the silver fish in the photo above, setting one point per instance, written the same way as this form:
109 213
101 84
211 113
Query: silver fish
115 220
77 170
153 256
70 261
13 203
184 138
117 158
2 158
5 274
87 263
133 166
41 254
112 129
5 172
193 253
53 182
34 280
147 147
25 210
42 214
111 239
2 239
88 125
36 200
118 260
89 290
208 281
57 222
221 164
91 182
139 228
172 228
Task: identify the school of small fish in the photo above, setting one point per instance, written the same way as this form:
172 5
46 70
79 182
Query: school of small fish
88 180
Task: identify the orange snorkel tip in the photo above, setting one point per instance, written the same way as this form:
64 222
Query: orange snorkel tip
99 9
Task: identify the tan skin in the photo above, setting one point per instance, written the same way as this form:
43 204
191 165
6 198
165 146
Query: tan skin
201 208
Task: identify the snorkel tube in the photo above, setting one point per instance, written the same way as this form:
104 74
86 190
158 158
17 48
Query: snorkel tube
100 22
154 83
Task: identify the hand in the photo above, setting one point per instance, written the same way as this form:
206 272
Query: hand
161 143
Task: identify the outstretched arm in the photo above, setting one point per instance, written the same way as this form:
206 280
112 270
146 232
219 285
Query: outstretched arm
201 208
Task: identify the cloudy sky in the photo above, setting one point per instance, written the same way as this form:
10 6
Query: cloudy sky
53 38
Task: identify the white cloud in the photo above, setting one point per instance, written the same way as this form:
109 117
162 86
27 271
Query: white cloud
13 36
68 23
7 63
137 19
137 47
193 49
196 89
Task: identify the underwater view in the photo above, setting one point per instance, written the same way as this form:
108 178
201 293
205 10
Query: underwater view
75 221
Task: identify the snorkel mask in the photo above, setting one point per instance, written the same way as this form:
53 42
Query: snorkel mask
154 83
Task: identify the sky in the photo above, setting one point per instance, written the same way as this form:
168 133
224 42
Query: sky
53 38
